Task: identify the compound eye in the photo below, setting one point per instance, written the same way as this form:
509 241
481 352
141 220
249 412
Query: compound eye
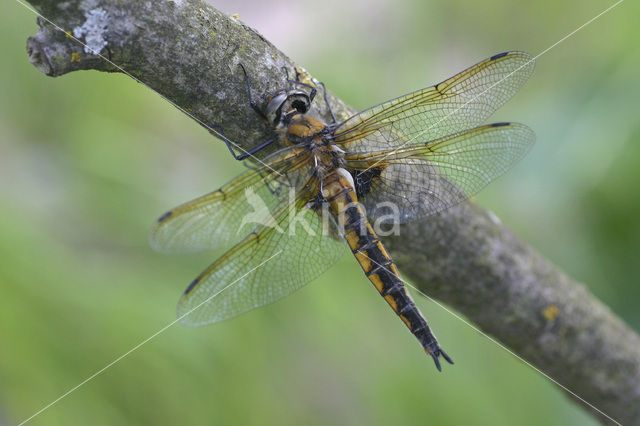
275 103
301 104
274 107
286 104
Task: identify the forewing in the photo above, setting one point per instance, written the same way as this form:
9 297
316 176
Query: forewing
422 179
461 102
225 216
272 262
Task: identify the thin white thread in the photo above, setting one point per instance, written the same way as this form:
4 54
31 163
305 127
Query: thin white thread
491 339
395 151
115 361
148 87
454 314
437 303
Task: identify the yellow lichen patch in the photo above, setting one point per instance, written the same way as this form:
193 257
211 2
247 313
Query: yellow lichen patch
75 57
550 312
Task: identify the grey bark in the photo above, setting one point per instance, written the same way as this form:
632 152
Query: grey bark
190 53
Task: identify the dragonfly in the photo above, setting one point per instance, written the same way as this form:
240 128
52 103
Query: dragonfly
290 217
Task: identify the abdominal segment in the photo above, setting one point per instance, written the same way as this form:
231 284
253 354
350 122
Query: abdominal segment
373 258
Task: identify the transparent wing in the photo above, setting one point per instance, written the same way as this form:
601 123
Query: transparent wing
418 180
461 102
225 216
272 262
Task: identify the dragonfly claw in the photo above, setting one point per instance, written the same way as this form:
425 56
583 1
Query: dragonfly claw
435 354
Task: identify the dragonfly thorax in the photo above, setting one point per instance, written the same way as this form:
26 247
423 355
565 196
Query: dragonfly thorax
300 129
314 135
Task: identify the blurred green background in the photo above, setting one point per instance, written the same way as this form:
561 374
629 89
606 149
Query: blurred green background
89 160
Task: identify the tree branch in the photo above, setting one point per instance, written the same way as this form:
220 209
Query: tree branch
190 54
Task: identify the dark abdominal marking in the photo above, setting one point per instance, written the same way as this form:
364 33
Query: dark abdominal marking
364 178
317 202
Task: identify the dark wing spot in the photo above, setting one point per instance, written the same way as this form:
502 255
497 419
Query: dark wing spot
164 216
498 56
193 284
500 124
364 178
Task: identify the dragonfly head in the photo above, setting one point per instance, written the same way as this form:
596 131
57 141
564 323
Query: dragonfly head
285 104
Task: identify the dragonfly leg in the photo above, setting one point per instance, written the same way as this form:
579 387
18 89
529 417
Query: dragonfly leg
297 81
245 154
253 104
313 89
313 94
326 100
